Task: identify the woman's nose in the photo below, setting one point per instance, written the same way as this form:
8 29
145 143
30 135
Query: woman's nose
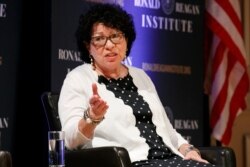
109 44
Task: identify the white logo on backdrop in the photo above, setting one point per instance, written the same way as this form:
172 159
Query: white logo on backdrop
69 55
3 10
128 61
4 122
176 24
167 6
185 8
120 2
150 4
186 124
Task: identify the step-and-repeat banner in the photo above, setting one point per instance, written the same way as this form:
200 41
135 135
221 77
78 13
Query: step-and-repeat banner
10 15
169 47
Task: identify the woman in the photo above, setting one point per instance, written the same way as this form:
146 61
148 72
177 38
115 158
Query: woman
106 103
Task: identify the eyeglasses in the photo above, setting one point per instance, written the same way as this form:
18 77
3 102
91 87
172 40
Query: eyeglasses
102 40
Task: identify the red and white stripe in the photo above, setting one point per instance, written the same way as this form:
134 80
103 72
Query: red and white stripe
229 77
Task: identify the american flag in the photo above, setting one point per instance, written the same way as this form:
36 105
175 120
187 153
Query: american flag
227 66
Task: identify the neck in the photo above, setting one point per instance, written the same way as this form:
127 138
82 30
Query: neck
115 74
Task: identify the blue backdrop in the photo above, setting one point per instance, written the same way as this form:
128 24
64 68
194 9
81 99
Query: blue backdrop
10 28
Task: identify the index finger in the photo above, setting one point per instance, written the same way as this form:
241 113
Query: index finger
94 89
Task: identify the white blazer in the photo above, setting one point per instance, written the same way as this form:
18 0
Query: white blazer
118 128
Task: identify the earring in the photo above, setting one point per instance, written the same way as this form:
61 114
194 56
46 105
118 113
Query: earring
125 56
92 62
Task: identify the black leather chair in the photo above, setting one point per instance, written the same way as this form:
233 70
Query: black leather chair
118 156
5 159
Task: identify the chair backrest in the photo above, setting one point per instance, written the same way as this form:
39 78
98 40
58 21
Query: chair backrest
170 114
50 106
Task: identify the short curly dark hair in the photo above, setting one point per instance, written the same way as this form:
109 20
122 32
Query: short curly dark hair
111 15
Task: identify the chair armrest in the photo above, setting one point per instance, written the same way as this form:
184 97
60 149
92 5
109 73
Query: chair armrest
119 157
223 156
98 157
5 159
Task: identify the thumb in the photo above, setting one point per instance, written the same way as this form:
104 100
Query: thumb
94 89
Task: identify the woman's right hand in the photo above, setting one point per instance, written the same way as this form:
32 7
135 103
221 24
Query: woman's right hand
98 107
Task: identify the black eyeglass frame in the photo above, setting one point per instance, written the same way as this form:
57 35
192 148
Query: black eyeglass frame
111 37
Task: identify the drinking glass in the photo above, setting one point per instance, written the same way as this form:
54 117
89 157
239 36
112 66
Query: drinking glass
56 148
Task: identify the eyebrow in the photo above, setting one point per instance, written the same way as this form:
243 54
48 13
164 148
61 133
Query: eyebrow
101 34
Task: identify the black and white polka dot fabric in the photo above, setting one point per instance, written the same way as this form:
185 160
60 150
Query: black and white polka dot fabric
159 154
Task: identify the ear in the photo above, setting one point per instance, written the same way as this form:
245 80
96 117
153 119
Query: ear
87 45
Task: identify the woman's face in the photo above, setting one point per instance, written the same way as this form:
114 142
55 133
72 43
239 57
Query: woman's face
108 47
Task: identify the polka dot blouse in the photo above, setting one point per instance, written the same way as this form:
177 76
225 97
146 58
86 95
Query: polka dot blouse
159 154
